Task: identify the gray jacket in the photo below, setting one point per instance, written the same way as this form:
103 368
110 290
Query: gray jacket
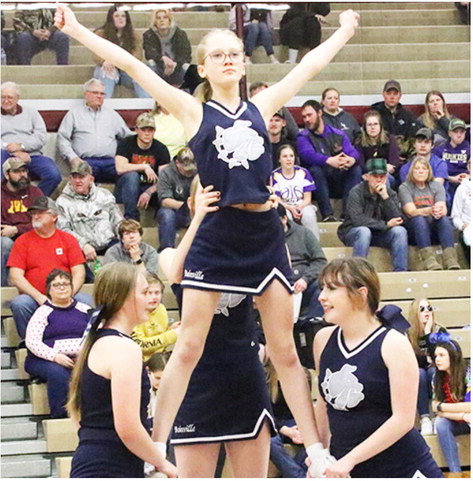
92 219
149 256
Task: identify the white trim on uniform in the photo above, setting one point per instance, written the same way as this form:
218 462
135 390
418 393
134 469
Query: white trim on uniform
366 342
225 112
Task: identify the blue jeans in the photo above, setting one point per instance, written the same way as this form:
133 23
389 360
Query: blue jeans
129 188
57 380
427 231
334 183
103 168
446 432
123 79
27 46
169 221
310 301
288 467
23 307
395 238
425 390
7 245
258 34
42 168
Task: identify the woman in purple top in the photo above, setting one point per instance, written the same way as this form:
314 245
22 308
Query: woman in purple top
53 339
240 247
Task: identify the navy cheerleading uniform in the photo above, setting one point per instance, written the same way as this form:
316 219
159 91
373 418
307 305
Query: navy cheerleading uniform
355 386
227 398
101 453
236 250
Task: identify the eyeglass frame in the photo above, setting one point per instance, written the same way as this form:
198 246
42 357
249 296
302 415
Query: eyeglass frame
428 308
62 285
226 55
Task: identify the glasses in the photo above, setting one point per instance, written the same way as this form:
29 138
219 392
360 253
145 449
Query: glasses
218 58
426 308
61 285
96 92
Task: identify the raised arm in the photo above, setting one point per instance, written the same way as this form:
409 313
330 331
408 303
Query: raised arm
273 98
183 106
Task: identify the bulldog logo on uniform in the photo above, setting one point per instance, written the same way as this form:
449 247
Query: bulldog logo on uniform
238 144
228 301
341 389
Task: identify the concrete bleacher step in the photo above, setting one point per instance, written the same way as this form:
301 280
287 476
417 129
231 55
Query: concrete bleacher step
32 466
15 410
12 393
35 446
5 360
18 429
10 374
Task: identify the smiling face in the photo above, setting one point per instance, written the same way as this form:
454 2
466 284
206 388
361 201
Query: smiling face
60 291
10 99
336 303
442 359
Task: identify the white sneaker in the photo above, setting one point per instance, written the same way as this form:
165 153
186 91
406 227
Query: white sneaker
426 428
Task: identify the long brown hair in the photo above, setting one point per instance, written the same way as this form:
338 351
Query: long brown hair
456 379
127 40
415 332
113 284
425 163
383 137
427 118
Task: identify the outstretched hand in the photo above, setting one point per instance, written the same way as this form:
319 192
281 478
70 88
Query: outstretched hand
65 20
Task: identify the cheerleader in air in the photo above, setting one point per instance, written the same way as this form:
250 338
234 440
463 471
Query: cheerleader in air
240 247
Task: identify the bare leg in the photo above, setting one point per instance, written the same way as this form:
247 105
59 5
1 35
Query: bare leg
275 307
250 459
197 312
197 460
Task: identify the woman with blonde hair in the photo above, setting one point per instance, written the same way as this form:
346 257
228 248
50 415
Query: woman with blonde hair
421 319
109 392
167 48
436 116
240 247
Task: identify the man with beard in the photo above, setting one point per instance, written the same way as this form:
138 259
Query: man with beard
35 254
17 196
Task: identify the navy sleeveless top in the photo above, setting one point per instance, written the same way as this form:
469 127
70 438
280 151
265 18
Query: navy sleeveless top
233 153
96 413
355 386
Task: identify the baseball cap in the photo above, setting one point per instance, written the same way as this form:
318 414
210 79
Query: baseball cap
392 84
81 168
279 113
43 203
376 166
145 120
13 163
425 132
186 159
456 124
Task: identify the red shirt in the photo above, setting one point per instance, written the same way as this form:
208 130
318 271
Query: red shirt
38 256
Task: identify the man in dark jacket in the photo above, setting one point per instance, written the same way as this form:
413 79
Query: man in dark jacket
373 217
307 261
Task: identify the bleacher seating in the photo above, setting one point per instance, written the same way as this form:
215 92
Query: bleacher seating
420 44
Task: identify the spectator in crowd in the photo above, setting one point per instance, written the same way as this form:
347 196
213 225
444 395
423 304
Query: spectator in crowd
464 11
17 196
169 131
131 250
294 186
397 120
23 136
300 28
307 261
53 339
88 212
288 465
329 156
436 116
257 30
456 153
35 31
423 145
155 335
90 132
138 162
423 201
35 254
337 117
422 321
452 400
375 142
277 136
461 213
119 30
167 48
373 217
290 129
173 190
